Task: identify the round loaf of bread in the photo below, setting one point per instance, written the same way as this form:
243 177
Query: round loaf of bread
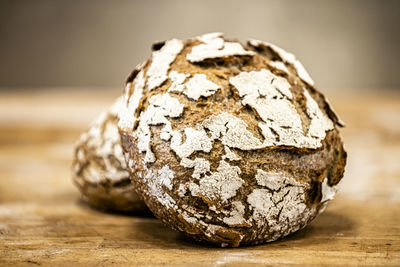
230 143
99 169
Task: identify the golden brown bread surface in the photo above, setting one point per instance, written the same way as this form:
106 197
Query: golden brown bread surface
227 143
99 168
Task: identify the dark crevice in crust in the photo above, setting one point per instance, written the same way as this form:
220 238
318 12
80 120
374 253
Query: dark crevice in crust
132 76
157 45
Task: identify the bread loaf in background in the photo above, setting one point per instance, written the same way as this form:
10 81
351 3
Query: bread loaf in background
99 169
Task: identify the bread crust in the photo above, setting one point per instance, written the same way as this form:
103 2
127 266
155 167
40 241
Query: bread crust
235 146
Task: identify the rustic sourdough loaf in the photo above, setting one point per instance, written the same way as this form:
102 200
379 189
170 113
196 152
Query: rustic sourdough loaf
230 143
99 168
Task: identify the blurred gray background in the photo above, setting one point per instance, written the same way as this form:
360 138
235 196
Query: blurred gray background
351 44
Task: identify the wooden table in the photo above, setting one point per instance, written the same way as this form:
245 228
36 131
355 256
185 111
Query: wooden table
42 221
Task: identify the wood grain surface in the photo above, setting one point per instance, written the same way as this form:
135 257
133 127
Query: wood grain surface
43 222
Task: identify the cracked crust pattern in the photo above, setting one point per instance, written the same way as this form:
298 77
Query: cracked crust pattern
99 168
246 153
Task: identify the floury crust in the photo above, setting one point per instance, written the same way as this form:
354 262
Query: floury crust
230 143
99 169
